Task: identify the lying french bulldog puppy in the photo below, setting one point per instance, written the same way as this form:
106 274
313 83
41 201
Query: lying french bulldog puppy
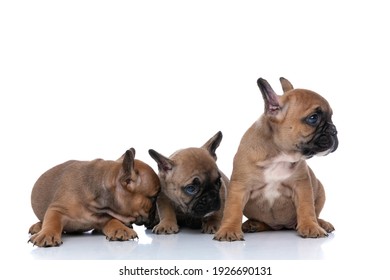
108 196
271 183
192 189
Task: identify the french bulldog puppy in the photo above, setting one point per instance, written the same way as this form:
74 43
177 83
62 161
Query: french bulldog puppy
192 189
271 183
108 196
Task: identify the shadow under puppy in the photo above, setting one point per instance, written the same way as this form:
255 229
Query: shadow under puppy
193 189
108 196
271 183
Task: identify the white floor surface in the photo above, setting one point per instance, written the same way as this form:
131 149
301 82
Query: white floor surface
193 245
189 245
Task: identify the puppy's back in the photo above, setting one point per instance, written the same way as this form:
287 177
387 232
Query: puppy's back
47 186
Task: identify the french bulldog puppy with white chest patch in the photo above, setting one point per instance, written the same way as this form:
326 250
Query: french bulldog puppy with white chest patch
271 183
193 189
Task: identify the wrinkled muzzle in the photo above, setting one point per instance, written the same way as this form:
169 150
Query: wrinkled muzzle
151 220
324 142
208 202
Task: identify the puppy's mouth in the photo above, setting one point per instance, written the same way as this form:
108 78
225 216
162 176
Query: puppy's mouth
206 204
149 222
324 142
139 221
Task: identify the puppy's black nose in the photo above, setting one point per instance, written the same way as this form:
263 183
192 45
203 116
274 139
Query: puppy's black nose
331 129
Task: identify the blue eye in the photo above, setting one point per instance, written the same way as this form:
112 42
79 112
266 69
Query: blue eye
191 189
313 119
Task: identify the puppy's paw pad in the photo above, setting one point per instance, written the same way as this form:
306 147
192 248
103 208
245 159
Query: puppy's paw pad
226 235
164 228
328 227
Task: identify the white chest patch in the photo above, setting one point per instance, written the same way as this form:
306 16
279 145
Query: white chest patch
276 171
279 168
271 192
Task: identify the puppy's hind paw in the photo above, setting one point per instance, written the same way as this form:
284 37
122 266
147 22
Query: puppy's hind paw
254 226
328 227
311 230
35 228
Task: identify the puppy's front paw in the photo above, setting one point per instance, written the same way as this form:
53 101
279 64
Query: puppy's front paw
210 226
115 230
311 230
46 239
122 233
166 228
225 234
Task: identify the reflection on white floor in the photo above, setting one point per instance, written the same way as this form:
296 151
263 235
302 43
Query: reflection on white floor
187 245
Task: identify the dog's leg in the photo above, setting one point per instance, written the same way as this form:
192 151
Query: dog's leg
307 224
230 229
254 226
50 233
167 215
115 230
319 204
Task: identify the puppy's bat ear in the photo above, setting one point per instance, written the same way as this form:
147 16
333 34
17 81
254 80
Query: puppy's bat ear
128 159
123 156
286 85
271 100
213 143
128 167
164 164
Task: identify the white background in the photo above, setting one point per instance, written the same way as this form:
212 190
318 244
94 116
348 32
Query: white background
88 79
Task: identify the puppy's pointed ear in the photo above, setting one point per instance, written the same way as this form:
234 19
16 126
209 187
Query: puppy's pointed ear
213 143
271 99
164 164
123 156
286 85
128 173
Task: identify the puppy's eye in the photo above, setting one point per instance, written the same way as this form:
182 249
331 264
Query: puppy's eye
218 182
191 189
313 119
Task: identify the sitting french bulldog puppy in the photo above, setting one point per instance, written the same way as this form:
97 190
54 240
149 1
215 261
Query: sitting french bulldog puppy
192 189
271 183
108 196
